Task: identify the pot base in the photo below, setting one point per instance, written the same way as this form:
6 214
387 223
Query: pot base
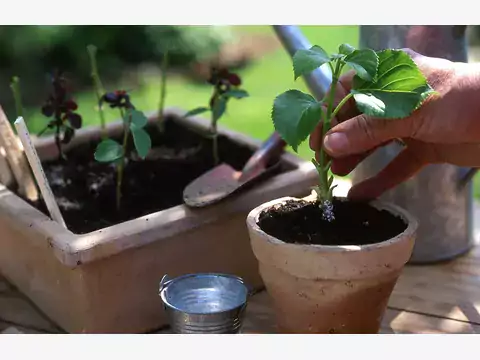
329 307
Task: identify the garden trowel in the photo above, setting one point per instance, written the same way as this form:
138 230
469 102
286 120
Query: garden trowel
223 180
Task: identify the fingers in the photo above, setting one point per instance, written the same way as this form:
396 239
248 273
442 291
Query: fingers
400 169
315 140
344 166
362 134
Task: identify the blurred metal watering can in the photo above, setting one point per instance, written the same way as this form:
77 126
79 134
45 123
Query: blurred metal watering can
440 196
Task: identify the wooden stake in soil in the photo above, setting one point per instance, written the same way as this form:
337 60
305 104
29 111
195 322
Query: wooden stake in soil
37 169
16 159
6 176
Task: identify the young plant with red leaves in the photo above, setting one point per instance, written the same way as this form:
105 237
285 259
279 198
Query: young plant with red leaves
226 85
60 109
134 121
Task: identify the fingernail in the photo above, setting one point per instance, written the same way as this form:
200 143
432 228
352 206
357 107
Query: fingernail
336 143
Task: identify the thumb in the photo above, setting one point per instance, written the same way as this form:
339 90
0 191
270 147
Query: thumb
363 133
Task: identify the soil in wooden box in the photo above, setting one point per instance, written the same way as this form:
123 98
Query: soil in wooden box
356 223
85 188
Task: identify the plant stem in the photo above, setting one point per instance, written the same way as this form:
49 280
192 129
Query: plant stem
97 83
340 105
326 194
213 127
15 86
163 90
42 131
121 165
58 143
216 159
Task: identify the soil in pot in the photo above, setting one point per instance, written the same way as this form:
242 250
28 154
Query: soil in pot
356 223
85 189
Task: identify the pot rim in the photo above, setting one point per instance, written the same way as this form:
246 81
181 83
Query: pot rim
412 225
164 288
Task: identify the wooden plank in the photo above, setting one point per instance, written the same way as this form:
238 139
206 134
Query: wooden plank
6 175
4 285
19 312
15 329
450 290
16 158
261 319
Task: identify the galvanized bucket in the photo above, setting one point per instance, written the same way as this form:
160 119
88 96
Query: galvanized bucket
206 303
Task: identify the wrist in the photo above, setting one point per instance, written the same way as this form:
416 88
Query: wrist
467 77
465 96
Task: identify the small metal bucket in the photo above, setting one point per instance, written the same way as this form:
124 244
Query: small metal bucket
206 303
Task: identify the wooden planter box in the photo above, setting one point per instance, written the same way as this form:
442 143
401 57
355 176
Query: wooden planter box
107 281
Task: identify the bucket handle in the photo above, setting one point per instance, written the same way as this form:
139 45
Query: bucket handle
466 175
164 282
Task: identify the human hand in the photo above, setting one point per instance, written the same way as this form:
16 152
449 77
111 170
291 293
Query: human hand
445 129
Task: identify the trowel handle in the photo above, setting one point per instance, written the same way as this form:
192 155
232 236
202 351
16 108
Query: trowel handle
271 149
292 39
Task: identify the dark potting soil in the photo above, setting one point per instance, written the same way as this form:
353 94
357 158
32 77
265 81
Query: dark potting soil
356 223
85 189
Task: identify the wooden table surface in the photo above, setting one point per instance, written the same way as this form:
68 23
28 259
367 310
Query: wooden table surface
442 298
429 299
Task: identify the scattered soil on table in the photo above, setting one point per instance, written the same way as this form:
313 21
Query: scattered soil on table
85 189
356 223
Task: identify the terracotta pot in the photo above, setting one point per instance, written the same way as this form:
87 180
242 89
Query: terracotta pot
106 281
330 289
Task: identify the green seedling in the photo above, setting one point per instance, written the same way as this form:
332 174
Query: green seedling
387 84
134 121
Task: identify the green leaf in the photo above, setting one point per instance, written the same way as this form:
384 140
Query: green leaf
137 119
336 56
142 141
197 111
398 90
346 49
364 62
305 61
295 115
219 108
330 181
236 93
108 151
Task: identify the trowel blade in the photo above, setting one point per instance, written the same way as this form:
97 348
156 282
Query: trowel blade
221 182
212 186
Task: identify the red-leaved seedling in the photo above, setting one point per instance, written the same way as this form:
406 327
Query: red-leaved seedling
226 85
60 109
